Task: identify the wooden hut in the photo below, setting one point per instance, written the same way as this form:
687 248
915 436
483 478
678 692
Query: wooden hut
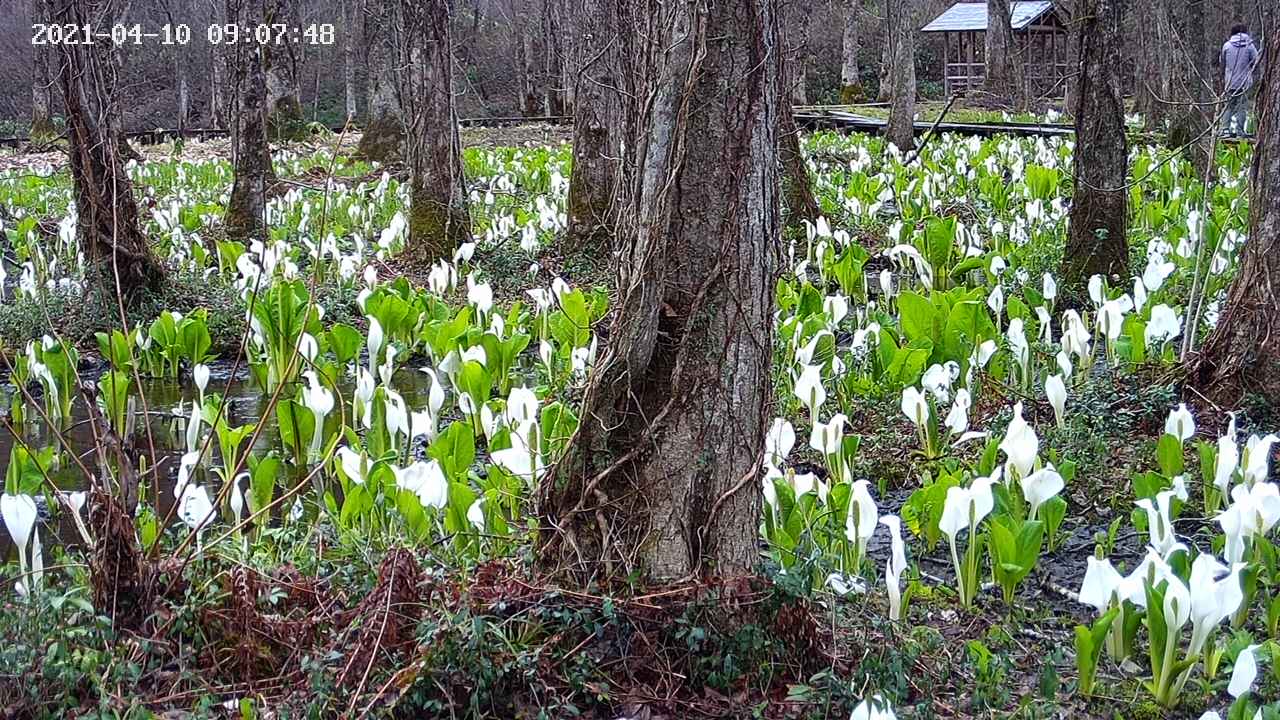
1039 31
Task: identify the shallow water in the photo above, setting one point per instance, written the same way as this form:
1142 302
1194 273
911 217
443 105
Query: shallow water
246 403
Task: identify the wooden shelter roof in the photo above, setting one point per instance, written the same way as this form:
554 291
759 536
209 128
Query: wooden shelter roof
972 16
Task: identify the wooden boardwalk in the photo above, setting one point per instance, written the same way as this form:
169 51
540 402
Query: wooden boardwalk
810 117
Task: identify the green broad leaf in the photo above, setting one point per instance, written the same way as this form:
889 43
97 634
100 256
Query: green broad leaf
558 424
968 325
1169 455
968 265
345 341
356 502
918 316
574 305
461 496
1208 454
455 450
263 472
296 424
474 380
907 366
415 517
1052 513
193 339
940 242
923 509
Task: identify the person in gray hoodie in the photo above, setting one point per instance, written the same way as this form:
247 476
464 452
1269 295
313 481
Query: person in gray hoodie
1239 57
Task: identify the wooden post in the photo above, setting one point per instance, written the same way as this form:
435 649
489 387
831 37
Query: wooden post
968 71
946 61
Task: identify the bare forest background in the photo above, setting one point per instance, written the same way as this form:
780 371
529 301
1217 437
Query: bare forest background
511 57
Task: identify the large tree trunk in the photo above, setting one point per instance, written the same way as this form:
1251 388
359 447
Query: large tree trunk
1096 242
1003 79
901 127
285 120
1242 356
1190 75
42 127
107 228
850 73
662 477
438 219
602 123
246 211
383 136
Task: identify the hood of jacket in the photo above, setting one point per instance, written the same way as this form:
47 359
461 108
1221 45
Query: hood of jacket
1240 40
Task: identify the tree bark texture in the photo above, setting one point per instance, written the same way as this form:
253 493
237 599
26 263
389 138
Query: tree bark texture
1003 67
902 110
219 97
603 122
663 475
42 127
525 69
1096 242
850 74
438 215
107 228
1152 63
1242 355
383 136
553 95
349 60
246 211
285 120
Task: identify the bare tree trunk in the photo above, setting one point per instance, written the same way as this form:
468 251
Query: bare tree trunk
42 127
901 127
438 215
1151 65
180 65
552 60
1191 114
285 120
246 211
662 477
1003 76
1096 243
1242 356
850 73
349 59
384 129
107 228
218 96
601 122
